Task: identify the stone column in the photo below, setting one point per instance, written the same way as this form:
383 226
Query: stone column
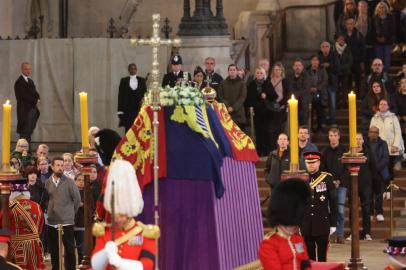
198 8
219 9
203 23
186 9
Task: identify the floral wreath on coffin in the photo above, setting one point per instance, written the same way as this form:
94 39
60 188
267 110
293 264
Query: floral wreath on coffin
185 95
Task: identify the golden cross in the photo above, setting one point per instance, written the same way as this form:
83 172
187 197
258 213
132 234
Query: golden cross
155 41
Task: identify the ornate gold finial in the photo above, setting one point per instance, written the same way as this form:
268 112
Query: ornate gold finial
99 229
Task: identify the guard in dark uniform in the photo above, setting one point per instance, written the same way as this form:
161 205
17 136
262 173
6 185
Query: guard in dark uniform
4 245
176 76
321 218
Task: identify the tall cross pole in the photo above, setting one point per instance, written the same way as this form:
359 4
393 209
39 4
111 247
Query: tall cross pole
155 41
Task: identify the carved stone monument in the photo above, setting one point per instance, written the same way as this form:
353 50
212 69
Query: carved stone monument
203 22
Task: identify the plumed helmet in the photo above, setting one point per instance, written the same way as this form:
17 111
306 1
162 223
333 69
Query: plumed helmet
122 182
106 141
289 201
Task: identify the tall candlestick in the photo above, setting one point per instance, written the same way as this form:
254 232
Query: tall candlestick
5 146
352 110
294 141
84 120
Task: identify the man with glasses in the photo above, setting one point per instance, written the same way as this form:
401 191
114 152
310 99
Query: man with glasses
212 78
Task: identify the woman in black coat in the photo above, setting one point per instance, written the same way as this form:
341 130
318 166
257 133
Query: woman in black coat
278 161
262 99
278 87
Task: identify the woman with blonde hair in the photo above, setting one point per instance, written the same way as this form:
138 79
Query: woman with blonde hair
384 31
22 152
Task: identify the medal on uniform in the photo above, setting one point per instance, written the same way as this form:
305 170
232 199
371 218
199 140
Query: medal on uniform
136 241
299 247
321 187
322 198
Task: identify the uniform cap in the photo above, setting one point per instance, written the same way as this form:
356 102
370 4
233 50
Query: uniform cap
289 201
312 156
106 141
176 60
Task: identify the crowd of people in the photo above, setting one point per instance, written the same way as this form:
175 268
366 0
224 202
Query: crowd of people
56 188
358 59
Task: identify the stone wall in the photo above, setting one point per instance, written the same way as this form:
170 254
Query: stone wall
90 18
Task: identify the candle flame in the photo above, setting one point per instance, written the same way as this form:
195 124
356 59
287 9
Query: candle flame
352 92
293 96
8 102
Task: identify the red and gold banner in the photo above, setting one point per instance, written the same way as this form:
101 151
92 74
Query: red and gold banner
243 147
137 146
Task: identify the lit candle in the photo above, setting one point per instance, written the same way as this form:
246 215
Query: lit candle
293 123
6 133
84 120
352 110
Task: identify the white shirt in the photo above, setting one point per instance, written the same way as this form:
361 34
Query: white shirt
55 180
25 77
133 82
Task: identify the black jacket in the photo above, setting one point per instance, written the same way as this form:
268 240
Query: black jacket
254 98
384 28
321 84
322 213
5 265
39 195
332 69
129 100
331 163
378 159
27 99
214 78
364 174
275 166
171 79
356 42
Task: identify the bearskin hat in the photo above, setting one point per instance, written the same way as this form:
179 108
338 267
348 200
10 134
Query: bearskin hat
106 141
289 201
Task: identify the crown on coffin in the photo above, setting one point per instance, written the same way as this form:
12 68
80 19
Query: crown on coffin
209 94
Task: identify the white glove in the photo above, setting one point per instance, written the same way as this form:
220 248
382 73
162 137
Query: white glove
332 230
118 262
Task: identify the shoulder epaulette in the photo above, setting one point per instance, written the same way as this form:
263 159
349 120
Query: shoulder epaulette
14 265
329 174
269 235
149 231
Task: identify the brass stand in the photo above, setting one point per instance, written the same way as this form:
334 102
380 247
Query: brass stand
353 160
86 160
295 173
8 177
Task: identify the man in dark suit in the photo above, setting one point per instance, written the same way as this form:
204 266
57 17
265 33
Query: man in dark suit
320 219
212 78
172 78
27 103
130 94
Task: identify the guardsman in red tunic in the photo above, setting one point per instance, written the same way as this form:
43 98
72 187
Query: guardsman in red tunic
134 244
4 244
106 141
26 224
284 248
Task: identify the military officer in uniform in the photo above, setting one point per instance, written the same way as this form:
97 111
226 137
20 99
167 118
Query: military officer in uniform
321 217
176 76
133 246
4 244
